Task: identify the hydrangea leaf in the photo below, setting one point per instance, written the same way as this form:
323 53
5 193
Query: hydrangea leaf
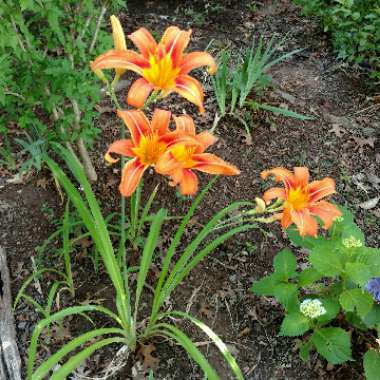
325 259
287 295
356 299
371 362
359 273
333 343
294 324
285 264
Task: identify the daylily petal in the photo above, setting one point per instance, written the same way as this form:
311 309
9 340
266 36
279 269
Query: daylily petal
209 163
326 211
160 121
274 193
126 59
185 123
280 174
302 175
144 41
139 92
173 42
189 183
122 147
320 189
132 173
136 122
191 90
205 139
176 177
167 164
286 219
197 59
305 223
118 34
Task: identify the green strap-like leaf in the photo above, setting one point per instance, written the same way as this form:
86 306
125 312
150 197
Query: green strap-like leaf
54 359
77 359
218 342
176 334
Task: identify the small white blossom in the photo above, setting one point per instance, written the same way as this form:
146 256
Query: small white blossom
312 308
352 242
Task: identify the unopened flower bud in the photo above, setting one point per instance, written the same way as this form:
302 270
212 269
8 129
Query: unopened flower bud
260 205
99 73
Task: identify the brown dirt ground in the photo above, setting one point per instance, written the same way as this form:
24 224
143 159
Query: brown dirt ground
338 143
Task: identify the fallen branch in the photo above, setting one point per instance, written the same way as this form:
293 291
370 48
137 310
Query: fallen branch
10 362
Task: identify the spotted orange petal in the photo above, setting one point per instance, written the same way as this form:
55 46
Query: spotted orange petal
137 123
320 189
286 219
132 173
197 59
326 211
139 92
122 147
191 90
144 41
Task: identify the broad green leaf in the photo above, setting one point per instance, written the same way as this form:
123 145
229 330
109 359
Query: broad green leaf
332 307
285 264
359 273
287 295
294 324
371 362
265 286
370 257
333 343
308 276
372 319
356 299
325 259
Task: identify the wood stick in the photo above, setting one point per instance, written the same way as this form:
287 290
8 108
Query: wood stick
10 362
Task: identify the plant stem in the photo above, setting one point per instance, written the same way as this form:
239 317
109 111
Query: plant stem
98 23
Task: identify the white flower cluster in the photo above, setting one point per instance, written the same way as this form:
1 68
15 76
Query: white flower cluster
352 242
312 308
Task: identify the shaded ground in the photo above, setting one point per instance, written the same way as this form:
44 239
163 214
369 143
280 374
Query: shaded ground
342 142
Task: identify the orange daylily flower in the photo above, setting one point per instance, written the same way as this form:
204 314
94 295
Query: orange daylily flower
302 200
164 67
149 140
181 159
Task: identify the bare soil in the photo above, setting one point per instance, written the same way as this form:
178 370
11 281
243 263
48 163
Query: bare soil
342 142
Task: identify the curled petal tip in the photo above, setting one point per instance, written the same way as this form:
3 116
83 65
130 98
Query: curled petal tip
108 158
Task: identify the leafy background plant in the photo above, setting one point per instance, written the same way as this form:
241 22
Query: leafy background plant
339 267
354 26
49 93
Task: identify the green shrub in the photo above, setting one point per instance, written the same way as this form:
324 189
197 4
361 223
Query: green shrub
45 48
354 26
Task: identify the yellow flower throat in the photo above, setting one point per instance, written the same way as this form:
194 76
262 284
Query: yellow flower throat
184 155
161 73
297 198
150 149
